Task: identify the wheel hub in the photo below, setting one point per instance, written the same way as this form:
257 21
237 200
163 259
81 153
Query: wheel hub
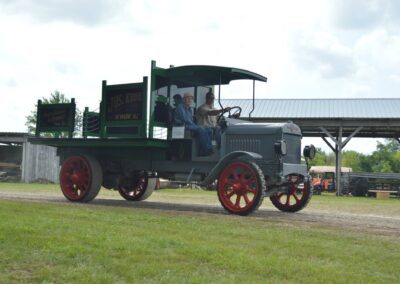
239 188
76 177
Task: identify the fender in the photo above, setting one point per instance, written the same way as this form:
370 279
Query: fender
225 161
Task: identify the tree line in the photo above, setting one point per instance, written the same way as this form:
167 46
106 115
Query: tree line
385 159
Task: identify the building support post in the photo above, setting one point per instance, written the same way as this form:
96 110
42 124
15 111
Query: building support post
24 164
338 149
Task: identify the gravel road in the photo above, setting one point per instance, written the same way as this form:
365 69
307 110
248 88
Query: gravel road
374 224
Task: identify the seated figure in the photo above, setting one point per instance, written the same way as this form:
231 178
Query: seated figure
207 116
184 117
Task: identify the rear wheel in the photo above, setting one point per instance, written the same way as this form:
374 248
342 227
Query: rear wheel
136 188
80 178
241 187
298 195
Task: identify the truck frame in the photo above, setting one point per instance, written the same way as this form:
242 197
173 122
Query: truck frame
133 140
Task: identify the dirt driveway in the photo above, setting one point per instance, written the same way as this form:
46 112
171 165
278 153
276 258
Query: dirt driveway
374 224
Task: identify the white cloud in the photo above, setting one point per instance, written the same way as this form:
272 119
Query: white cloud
380 49
358 14
87 12
377 57
322 53
359 90
395 77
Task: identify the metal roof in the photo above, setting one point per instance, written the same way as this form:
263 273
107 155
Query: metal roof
328 169
377 117
14 137
319 108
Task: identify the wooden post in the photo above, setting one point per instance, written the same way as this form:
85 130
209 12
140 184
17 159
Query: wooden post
37 132
339 147
72 119
145 106
85 122
103 103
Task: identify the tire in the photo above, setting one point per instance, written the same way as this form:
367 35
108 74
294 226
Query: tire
139 188
80 178
241 187
292 201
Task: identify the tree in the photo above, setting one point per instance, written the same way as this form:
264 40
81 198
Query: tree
322 159
352 159
386 158
56 97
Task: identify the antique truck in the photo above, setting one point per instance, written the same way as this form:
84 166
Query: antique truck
132 140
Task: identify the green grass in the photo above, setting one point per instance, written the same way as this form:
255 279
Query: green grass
94 244
74 243
357 205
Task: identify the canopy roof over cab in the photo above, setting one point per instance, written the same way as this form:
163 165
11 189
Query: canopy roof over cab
205 75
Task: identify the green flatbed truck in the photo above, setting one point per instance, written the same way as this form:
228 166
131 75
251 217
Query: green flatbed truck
133 140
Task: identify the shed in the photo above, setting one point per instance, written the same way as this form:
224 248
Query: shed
36 162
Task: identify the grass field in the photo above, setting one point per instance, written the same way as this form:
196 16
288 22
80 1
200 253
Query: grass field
74 243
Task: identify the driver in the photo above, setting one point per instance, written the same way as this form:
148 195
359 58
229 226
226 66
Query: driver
207 116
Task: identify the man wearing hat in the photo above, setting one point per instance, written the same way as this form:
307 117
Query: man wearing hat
184 116
207 116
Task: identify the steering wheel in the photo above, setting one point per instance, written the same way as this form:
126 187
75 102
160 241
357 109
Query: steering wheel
235 114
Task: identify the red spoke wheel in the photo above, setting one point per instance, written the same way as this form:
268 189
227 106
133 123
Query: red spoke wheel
80 178
296 198
241 187
138 188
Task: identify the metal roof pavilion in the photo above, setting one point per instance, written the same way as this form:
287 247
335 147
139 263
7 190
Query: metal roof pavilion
329 118
378 117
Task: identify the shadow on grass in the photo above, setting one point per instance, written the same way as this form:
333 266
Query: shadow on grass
166 206
372 224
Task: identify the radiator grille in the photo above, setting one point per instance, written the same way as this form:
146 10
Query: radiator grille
293 149
245 144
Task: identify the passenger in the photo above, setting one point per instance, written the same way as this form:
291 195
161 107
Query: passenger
184 116
161 113
177 100
207 116
171 110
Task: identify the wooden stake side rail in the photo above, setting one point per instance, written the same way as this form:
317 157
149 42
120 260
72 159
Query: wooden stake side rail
109 142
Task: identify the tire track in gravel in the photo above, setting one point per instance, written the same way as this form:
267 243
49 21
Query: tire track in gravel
379 225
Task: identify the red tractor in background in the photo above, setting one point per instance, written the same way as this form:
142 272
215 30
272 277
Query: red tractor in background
323 178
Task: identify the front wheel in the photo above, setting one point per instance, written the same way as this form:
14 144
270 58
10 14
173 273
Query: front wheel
241 187
296 197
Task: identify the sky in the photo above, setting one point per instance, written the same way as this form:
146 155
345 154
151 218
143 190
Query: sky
307 49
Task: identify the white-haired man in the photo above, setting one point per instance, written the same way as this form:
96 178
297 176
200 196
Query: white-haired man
184 116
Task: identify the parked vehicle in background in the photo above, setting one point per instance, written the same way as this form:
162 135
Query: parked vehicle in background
368 184
323 178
